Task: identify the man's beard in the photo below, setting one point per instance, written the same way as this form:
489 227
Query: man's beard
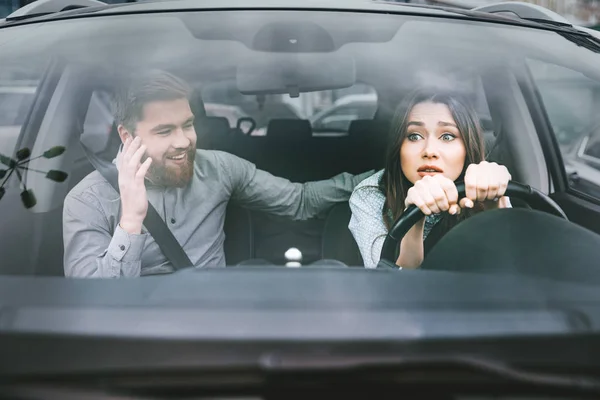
162 174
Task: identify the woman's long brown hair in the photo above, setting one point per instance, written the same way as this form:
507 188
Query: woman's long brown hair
394 183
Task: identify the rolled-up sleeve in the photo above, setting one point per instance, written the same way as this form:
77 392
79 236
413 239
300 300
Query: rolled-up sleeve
91 249
261 191
366 223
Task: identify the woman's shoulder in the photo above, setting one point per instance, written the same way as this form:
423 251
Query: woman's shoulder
367 193
370 182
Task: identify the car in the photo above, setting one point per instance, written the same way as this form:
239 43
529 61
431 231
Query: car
232 113
226 94
506 304
337 118
582 161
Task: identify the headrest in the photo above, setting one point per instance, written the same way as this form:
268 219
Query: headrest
211 125
289 129
197 104
367 128
213 132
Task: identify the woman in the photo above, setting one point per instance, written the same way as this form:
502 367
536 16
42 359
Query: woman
437 140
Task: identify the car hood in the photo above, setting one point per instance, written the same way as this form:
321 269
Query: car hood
282 303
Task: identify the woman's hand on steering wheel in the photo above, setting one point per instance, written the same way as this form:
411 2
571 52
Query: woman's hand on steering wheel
433 195
484 182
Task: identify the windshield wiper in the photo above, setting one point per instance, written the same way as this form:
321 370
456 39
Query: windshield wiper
571 33
582 39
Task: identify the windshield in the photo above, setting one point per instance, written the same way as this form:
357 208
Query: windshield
248 132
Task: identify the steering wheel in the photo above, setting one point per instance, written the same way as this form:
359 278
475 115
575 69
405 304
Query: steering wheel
413 214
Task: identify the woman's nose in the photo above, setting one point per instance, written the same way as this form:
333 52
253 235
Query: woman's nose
430 150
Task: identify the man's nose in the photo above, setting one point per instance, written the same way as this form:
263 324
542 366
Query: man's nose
182 141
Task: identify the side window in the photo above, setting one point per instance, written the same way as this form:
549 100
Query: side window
340 118
572 100
326 110
17 94
335 122
98 122
15 100
232 113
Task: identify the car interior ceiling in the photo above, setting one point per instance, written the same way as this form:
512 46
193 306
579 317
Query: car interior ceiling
288 150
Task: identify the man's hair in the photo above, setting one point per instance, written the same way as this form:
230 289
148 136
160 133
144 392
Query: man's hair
142 89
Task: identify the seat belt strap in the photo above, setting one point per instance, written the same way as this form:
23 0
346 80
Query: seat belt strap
154 224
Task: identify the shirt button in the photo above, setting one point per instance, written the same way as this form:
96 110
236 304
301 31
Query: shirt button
173 220
122 247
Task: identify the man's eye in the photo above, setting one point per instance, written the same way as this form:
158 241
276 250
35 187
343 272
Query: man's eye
188 126
413 137
163 133
448 137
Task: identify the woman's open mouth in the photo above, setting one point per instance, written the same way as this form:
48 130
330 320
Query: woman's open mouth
429 170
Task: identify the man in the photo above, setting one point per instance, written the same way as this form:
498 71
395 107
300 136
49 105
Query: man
103 231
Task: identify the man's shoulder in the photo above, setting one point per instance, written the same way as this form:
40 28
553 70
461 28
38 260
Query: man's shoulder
215 163
93 185
213 157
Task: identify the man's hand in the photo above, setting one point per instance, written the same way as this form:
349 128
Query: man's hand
134 200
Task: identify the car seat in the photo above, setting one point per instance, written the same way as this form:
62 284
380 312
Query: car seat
337 241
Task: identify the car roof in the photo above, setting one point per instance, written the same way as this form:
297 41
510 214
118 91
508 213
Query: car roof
175 5
363 5
147 6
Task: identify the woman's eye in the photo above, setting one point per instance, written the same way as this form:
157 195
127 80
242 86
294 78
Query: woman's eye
413 137
447 137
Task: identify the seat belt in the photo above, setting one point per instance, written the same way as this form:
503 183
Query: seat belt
154 224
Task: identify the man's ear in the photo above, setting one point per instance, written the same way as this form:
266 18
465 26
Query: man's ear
123 133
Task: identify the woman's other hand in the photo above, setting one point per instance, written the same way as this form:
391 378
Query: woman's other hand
486 182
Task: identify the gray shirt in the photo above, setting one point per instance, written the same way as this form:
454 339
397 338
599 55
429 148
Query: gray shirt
366 223
96 246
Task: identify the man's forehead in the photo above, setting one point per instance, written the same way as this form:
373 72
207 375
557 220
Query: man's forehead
166 111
